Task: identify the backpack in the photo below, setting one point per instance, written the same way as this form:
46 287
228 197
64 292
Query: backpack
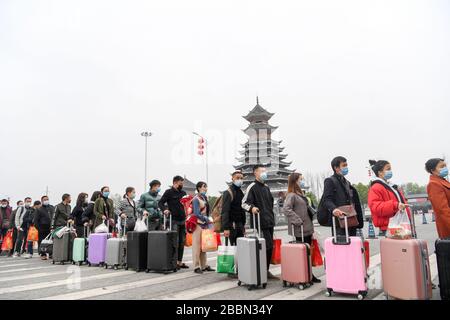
324 216
217 211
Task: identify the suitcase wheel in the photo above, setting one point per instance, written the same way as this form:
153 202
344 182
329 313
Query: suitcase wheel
264 285
62 263
328 293
89 264
301 287
106 266
80 263
239 283
53 262
126 267
175 270
284 284
116 268
360 297
73 262
147 271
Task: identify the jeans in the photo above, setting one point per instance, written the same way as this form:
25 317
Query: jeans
22 244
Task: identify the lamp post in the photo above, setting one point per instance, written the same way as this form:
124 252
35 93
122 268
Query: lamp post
203 150
146 135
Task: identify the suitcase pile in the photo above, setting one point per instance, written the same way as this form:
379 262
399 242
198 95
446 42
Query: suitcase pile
251 257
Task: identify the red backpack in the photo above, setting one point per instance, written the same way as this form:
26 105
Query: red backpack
191 219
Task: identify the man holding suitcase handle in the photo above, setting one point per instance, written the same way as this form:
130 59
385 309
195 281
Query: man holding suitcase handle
258 200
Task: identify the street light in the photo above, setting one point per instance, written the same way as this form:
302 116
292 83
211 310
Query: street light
146 135
203 150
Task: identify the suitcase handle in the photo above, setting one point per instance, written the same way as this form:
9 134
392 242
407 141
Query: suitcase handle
124 228
170 222
294 238
257 232
346 230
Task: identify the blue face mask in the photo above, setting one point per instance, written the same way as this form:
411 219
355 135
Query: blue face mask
388 175
106 194
263 176
344 171
443 172
158 190
203 194
238 183
302 184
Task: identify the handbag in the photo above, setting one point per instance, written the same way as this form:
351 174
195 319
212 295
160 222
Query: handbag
316 255
226 259
33 234
7 243
47 245
276 254
352 219
140 225
209 240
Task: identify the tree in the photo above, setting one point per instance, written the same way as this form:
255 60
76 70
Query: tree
212 200
363 191
313 198
413 188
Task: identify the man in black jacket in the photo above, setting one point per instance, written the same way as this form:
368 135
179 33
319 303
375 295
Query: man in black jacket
43 220
233 215
259 200
338 192
172 198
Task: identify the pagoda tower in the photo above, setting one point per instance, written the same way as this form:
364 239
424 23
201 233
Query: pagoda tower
262 149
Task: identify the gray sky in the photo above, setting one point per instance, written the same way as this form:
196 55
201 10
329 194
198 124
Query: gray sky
80 80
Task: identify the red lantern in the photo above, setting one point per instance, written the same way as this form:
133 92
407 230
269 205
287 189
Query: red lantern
200 152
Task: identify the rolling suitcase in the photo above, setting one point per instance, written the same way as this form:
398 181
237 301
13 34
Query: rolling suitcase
443 263
405 268
137 243
162 250
116 249
97 248
62 247
345 264
296 263
79 251
251 257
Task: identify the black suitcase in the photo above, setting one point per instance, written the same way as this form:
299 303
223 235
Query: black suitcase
443 264
162 250
137 251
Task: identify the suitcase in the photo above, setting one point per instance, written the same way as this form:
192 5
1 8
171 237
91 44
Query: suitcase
79 251
251 257
137 243
443 263
62 247
296 263
97 248
345 264
116 249
405 268
162 250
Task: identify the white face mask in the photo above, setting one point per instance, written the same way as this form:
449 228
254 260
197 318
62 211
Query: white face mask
28 204
46 203
4 205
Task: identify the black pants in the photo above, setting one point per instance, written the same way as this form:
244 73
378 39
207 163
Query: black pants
155 225
43 233
237 231
180 228
307 239
267 234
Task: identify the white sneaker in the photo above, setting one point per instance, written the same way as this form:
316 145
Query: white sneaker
28 256
15 255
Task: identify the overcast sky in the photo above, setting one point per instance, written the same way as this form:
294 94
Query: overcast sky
80 80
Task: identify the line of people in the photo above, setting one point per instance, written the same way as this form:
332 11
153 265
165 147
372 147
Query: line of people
384 199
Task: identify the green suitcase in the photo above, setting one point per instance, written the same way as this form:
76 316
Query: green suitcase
79 250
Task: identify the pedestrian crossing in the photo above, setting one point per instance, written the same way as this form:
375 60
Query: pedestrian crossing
51 282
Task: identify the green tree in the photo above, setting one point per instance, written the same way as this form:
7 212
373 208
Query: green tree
413 188
212 200
363 191
313 198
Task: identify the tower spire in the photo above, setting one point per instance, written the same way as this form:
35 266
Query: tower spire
257 100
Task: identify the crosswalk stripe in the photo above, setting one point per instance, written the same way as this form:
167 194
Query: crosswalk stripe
14 265
31 276
433 271
202 291
84 294
25 269
63 282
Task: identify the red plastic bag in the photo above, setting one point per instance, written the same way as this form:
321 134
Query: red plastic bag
276 253
316 256
7 243
188 242
219 240
367 253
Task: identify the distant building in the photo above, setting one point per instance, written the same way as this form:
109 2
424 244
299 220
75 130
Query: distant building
189 187
262 149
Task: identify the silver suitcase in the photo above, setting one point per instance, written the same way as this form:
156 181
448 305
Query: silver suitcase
116 248
251 259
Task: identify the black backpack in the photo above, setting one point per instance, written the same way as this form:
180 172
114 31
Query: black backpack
324 216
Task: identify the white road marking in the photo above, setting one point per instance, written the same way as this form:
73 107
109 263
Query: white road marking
31 276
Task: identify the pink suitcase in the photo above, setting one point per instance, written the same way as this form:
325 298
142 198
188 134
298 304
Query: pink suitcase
405 269
296 264
345 265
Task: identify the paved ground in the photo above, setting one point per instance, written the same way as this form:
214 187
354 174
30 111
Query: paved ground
36 279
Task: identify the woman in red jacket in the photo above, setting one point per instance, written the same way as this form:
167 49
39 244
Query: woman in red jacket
385 199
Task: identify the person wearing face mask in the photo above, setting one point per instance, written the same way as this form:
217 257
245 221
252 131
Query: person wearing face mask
295 208
148 204
385 199
201 210
42 221
104 209
338 192
12 225
233 215
438 190
258 200
21 227
62 212
172 199
5 216
88 216
77 214
128 209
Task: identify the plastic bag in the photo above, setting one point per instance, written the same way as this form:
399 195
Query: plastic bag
140 226
188 242
316 255
226 259
60 232
102 228
7 243
209 240
399 226
276 253
33 234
